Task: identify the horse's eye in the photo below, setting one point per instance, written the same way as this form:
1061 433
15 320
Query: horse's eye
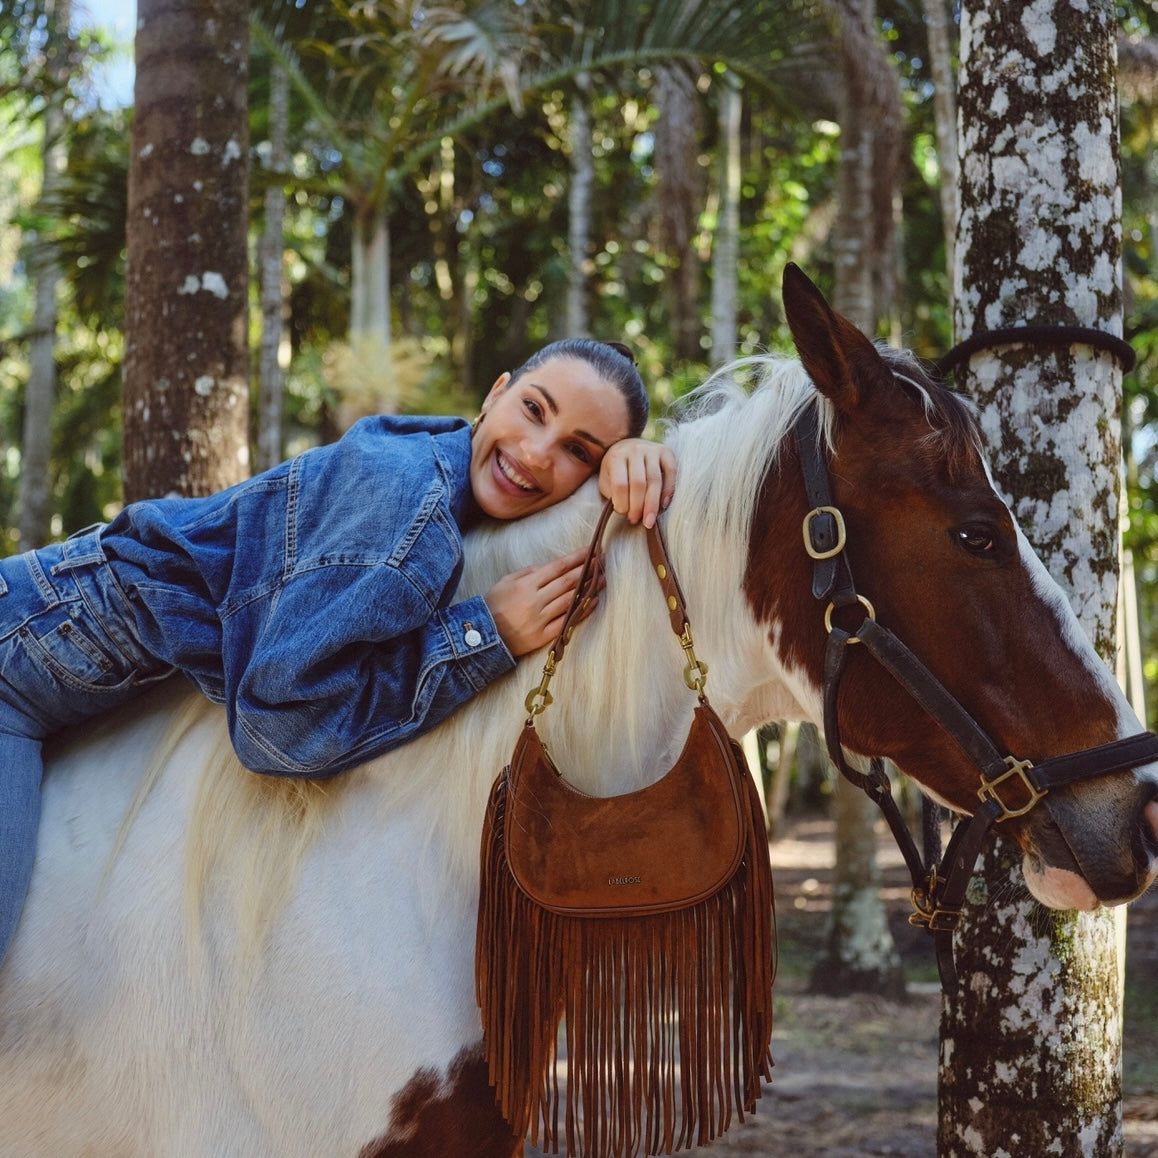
976 539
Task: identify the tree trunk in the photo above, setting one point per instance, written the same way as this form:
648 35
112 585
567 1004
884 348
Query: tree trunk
861 952
1031 1045
370 326
937 25
678 193
726 243
186 363
579 210
39 394
270 261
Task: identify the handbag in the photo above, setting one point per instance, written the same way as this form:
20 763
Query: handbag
642 922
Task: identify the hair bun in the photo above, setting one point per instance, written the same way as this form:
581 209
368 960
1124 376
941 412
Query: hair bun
620 348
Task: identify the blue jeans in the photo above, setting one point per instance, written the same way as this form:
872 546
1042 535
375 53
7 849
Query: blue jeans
68 651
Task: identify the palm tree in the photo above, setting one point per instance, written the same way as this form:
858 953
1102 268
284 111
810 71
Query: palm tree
398 80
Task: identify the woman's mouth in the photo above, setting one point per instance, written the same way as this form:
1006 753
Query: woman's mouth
509 471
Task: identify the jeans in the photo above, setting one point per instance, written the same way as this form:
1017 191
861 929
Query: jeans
68 651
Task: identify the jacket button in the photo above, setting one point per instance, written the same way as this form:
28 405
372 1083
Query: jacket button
471 636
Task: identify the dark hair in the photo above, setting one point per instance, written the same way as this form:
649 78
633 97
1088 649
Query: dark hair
612 361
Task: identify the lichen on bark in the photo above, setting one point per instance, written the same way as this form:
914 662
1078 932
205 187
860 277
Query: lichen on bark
1032 1044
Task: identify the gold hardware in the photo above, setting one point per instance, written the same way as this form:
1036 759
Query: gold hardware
1020 769
840 535
539 699
672 602
661 570
927 913
696 671
868 610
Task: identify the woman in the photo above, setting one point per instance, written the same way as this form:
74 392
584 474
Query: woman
315 600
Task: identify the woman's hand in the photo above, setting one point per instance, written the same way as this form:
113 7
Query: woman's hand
529 606
639 478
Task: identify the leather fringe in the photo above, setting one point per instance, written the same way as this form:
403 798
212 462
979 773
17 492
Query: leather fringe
667 1018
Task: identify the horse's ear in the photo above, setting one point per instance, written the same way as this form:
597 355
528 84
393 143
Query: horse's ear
839 359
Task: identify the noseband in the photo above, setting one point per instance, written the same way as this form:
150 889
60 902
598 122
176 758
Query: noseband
1008 787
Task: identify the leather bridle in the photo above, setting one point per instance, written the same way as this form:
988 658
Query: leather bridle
1008 788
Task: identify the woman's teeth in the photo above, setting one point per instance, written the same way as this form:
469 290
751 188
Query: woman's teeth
510 473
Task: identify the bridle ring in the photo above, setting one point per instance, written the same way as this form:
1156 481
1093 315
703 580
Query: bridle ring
870 613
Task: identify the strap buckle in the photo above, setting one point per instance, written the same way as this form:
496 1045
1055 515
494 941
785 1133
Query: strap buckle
824 533
1014 768
927 913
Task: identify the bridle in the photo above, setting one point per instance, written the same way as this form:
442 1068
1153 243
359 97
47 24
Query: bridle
1009 787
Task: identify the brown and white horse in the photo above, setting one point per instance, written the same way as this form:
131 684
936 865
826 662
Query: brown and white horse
212 963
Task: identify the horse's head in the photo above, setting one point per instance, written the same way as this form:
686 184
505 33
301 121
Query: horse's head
936 552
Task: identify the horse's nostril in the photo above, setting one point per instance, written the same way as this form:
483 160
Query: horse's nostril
1150 829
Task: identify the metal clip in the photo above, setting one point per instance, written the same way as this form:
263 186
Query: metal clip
696 671
539 699
1020 769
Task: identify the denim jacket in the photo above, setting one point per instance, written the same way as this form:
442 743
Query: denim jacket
315 600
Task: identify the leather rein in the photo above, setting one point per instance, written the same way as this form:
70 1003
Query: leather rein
1008 788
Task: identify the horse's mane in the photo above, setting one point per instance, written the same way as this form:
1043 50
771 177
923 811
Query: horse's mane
621 705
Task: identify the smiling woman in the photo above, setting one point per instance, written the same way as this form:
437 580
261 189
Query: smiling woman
542 433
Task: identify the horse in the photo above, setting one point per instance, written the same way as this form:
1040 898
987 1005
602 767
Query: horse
214 963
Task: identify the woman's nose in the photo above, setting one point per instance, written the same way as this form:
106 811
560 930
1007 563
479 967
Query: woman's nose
536 450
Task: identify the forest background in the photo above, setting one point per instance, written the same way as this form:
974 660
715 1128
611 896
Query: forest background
504 196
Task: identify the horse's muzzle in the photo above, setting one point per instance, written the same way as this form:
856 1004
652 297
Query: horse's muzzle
1109 839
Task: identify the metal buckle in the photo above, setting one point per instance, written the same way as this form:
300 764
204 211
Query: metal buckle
1020 769
869 612
936 920
840 535
927 913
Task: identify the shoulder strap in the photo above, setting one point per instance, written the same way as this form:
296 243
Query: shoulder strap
696 670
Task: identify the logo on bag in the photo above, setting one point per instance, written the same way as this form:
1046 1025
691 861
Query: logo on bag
625 880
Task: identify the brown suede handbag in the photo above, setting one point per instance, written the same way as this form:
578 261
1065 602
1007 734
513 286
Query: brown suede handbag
643 922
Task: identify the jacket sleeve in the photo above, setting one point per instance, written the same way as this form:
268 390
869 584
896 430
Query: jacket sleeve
327 687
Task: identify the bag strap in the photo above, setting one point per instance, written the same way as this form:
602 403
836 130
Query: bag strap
695 672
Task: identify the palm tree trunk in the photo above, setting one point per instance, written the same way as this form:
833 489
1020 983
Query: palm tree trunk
40 392
579 209
937 25
726 244
270 251
186 365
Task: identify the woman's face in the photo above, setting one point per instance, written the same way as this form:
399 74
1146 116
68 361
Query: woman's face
541 437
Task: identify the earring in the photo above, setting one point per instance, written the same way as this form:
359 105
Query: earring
475 425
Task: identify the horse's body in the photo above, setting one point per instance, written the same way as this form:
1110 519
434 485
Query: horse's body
212 964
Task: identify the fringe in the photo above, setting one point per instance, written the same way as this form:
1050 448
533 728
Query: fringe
668 1017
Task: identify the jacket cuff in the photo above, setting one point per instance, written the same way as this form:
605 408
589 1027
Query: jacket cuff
475 643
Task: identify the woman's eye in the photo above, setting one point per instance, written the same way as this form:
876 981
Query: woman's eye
580 453
976 540
533 408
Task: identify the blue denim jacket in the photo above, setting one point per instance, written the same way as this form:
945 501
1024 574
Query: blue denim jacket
314 600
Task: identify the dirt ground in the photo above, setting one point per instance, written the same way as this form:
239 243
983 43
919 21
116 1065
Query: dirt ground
856 1076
